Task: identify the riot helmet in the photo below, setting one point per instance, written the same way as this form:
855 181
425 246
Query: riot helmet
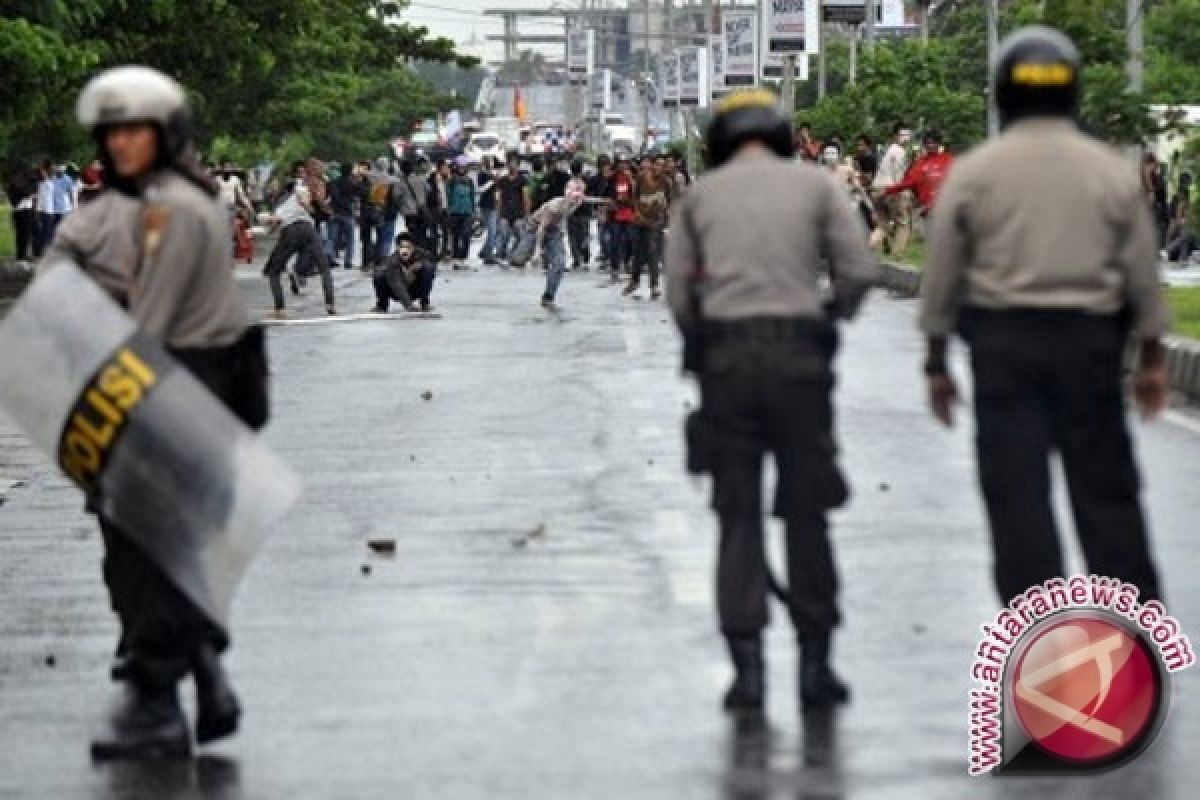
750 115
1036 74
137 94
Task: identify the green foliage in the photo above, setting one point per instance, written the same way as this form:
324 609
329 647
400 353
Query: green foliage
265 76
943 85
8 243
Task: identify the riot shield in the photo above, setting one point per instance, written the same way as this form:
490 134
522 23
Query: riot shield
156 452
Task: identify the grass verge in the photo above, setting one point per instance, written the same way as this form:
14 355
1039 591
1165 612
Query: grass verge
1185 309
8 247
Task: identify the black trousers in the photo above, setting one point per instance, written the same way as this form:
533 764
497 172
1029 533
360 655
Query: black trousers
773 397
1049 381
579 230
647 253
460 233
299 239
24 226
440 237
368 228
160 626
417 229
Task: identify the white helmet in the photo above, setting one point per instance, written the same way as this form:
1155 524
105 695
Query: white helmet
137 94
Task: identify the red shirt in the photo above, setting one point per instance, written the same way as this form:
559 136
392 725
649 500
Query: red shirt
925 177
623 210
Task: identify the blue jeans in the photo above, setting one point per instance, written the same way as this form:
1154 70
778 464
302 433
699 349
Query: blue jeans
491 225
507 239
387 237
339 236
556 261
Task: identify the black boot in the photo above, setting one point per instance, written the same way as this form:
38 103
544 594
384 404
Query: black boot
746 693
820 687
217 707
149 725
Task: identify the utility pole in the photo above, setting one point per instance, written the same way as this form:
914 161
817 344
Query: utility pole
646 37
821 55
1133 36
923 16
854 34
669 19
870 23
993 45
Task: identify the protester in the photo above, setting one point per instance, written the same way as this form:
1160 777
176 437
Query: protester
927 174
91 182
299 238
652 200
439 238
897 207
411 189
486 188
512 198
407 277
598 190
1181 235
623 214
343 194
22 191
579 226
550 220
460 207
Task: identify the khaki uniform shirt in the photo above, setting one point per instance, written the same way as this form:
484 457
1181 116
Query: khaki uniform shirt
166 257
1043 217
764 230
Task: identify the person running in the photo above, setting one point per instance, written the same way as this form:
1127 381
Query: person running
298 238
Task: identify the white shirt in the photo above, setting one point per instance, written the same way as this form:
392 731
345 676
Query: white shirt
892 167
292 210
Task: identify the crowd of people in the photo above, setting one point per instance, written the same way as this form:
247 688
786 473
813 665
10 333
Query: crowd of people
42 196
411 216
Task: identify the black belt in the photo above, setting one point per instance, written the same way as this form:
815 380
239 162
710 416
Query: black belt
766 329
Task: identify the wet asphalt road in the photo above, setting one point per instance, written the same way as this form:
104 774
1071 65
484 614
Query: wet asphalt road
545 628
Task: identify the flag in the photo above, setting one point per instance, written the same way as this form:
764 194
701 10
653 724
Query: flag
519 110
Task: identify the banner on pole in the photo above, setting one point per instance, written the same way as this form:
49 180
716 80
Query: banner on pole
716 63
791 26
773 67
693 77
740 29
669 64
600 90
581 49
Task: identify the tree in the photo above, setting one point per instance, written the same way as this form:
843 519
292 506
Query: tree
260 72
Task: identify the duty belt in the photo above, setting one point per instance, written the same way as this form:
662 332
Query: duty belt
766 329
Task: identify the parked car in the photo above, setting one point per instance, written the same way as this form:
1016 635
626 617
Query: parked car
483 145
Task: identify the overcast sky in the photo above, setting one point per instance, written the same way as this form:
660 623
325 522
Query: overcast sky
460 19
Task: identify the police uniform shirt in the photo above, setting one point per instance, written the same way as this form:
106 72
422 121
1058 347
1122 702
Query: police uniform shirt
760 227
165 256
1042 217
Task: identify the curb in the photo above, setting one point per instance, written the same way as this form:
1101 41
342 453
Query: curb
900 279
1183 355
15 274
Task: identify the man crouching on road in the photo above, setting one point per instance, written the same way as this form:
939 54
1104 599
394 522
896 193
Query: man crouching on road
407 278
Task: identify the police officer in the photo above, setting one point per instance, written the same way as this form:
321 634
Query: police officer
157 241
748 245
1042 256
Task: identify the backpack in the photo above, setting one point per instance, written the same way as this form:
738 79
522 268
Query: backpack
380 194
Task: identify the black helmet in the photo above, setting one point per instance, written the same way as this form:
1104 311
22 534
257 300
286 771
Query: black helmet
743 116
1036 75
